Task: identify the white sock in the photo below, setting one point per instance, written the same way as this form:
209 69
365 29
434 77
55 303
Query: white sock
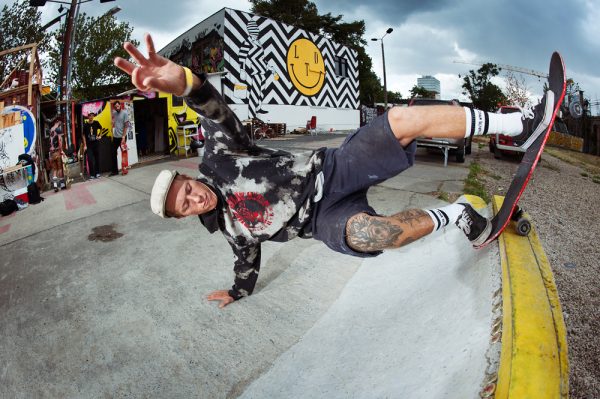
480 122
443 216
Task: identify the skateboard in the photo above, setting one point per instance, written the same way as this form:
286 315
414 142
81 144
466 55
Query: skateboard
65 182
124 158
509 210
523 225
82 164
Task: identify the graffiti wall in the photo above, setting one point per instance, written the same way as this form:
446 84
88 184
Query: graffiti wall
201 48
269 62
265 63
179 114
16 138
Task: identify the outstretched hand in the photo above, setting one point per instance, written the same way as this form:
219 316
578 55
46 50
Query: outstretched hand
222 296
154 72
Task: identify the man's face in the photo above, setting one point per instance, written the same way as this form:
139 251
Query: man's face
188 197
117 107
90 118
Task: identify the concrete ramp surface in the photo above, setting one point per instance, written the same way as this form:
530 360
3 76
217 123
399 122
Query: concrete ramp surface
106 300
411 323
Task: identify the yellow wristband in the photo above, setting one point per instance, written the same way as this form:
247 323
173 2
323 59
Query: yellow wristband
189 81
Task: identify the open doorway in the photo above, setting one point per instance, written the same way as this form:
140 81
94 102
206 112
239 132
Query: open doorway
151 121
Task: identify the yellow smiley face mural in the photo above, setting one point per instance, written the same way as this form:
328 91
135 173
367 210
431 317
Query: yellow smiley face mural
306 67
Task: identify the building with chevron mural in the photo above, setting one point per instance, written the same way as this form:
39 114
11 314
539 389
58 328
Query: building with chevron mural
273 71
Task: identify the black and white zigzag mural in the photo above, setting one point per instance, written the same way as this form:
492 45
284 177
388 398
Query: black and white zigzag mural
273 63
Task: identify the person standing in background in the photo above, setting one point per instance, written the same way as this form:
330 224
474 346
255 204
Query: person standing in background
120 124
91 137
56 152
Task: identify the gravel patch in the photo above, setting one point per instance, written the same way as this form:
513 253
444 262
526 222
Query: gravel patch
564 204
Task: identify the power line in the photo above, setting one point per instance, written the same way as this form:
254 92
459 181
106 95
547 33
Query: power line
509 68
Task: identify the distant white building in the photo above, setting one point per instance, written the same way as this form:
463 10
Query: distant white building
430 83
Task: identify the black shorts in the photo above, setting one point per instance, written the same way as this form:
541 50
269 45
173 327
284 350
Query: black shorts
367 157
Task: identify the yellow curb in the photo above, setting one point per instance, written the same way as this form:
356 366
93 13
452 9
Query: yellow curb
477 202
533 357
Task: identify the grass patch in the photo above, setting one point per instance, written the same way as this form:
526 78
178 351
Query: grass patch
473 185
443 196
550 166
584 174
596 179
589 163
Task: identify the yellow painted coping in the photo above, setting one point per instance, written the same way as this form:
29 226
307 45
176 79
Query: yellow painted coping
477 202
533 356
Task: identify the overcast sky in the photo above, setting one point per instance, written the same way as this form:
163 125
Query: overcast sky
428 34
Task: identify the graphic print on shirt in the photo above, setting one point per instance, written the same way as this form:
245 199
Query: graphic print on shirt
252 210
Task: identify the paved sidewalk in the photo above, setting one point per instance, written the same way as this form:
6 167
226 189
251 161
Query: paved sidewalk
100 298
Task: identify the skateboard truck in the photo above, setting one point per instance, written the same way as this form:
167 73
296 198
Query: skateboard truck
523 224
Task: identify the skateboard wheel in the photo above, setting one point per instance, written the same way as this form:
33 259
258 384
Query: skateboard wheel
517 214
523 227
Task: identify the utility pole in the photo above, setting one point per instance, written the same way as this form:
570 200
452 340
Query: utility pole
65 69
64 83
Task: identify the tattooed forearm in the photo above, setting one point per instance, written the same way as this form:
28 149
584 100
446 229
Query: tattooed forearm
411 217
365 233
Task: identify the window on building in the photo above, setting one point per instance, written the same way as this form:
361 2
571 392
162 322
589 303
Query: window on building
177 101
341 67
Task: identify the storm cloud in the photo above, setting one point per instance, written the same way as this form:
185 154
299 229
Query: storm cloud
428 35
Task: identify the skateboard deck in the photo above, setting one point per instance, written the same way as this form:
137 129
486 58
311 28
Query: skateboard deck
557 85
81 155
65 182
124 158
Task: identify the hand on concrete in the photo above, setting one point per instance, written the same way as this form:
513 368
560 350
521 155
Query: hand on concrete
154 72
222 296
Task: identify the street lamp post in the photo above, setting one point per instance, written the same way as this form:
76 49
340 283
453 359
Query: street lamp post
385 94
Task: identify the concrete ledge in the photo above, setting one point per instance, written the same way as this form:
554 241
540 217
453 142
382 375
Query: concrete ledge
533 360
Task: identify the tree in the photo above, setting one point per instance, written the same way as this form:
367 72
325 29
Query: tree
19 25
517 92
394 97
369 85
418 91
484 94
97 42
304 14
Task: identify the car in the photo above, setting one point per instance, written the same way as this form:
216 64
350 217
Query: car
500 143
458 147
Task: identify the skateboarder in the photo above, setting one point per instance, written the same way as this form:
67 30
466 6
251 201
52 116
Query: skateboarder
253 194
